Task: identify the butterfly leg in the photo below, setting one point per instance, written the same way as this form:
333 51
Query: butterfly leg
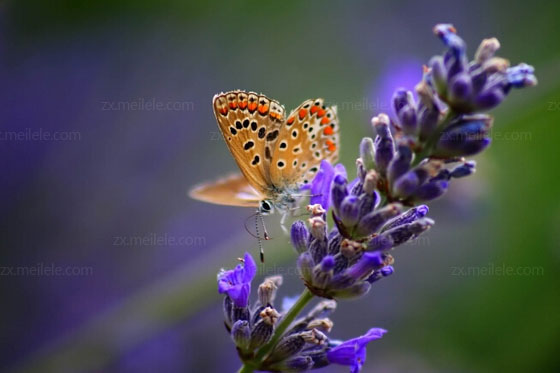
283 223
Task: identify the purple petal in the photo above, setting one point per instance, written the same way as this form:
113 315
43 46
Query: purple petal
353 351
321 185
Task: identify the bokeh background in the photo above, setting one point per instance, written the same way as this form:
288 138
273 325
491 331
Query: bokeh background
104 198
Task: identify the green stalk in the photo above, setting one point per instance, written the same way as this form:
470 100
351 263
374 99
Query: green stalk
287 320
246 368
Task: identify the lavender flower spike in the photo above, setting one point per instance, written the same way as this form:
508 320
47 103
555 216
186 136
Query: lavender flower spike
236 283
353 351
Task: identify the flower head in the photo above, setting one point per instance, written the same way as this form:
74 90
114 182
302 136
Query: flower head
353 351
236 283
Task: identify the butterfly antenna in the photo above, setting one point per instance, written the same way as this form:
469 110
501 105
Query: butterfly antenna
261 251
248 230
265 234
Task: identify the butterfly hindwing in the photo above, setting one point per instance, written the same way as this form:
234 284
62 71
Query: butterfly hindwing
309 135
233 190
250 124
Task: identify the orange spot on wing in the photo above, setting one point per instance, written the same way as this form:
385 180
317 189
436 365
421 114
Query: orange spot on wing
252 106
233 105
330 145
325 120
291 120
313 109
243 105
223 110
321 113
328 131
263 109
302 113
275 115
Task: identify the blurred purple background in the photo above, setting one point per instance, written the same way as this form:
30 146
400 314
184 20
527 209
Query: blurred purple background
94 201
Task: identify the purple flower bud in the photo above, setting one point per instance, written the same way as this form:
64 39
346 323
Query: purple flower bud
521 76
240 313
349 211
365 265
305 266
406 185
409 216
380 273
327 264
387 271
479 77
370 223
427 121
296 364
431 190
490 98
299 236
463 170
367 153
443 174
447 33
318 248
466 137
227 308
384 145
287 347
439 75
368 203
400 164
382 242
261 333
406 232
323 273
319 357
357 290
405 110
334 243
339 191
460 89
241 334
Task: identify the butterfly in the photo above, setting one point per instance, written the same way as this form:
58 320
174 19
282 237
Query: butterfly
276 154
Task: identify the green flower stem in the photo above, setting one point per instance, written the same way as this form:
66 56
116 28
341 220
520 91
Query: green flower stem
246 368
286 321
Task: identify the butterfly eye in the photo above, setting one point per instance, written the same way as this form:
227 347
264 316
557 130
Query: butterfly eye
266 207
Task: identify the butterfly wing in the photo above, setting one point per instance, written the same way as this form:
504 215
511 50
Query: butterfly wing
233 190
250 124
309 135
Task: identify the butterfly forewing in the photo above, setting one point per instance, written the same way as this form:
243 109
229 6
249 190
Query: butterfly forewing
309 135
250 124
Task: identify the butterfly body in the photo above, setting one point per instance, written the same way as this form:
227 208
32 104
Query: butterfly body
276 153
